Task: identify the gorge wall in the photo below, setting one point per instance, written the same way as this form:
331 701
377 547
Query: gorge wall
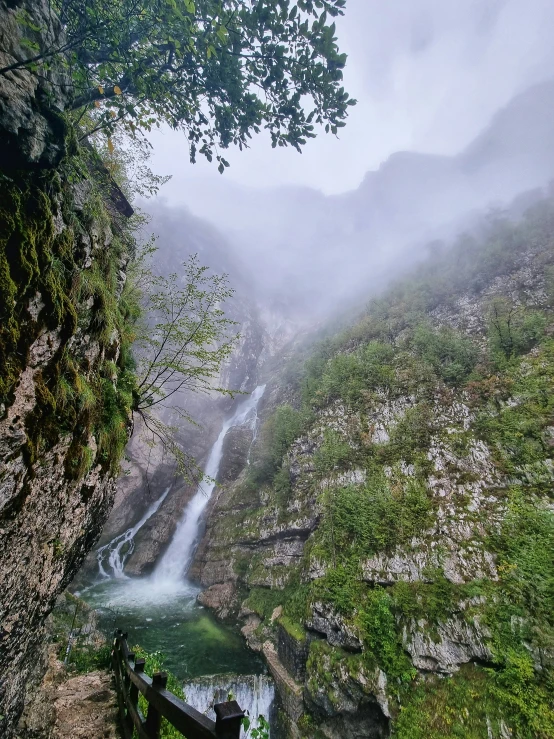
65 395
388 548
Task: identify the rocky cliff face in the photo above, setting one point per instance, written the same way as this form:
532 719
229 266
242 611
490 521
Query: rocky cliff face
388 541
64 402
33 127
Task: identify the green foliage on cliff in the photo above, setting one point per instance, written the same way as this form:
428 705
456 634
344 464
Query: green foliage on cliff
363 520
405 415
33 258
42 274
282 429
478 703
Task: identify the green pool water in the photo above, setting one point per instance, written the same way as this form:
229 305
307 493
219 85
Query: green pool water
171 621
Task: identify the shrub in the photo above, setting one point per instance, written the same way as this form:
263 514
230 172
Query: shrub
452 355
512 329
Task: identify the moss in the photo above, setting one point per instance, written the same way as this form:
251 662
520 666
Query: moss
264 601
44 397
72 395
293 628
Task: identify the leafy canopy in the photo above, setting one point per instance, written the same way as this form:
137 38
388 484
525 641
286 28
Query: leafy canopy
218 69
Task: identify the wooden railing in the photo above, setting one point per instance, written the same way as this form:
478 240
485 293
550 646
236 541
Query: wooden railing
130 680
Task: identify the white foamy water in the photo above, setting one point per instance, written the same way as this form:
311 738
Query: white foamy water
117 552
253 693
177 559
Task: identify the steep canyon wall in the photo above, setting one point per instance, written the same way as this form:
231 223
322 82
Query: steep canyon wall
64 396
386 547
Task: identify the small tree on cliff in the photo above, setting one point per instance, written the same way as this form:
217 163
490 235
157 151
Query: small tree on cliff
220 70
182 340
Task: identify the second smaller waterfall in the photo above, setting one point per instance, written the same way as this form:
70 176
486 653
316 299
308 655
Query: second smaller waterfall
253 693
174 564
118 550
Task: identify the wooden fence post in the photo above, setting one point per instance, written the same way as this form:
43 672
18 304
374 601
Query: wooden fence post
228 720
134 692
154 718
119 681
131 682
128 693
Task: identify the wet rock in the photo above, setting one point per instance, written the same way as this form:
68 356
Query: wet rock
235 453
221 598
293 653
32 128
290 692
325 620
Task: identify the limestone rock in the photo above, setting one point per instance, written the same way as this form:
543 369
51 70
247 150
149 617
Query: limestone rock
456 642
221 598
352 706
325 620
31 126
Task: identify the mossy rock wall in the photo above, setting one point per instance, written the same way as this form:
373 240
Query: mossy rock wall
65 394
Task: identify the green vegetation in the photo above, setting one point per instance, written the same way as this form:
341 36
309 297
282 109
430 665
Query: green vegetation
154 662
404 414
451 355
259 731
474 704
363 520
182 339
220 70
76 397
72 625
278 433
89 657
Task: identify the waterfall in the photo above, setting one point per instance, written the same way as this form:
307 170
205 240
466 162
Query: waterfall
176 560
253 693
116 551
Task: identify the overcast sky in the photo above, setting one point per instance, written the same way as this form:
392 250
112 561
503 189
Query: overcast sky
427 74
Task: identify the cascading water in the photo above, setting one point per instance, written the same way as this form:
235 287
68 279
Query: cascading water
175 563
121 547
253 693
160 611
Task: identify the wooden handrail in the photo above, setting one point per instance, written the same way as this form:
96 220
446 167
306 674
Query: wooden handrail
131 680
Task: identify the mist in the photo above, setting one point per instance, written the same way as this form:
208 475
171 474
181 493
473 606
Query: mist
428 76
303 255
454 117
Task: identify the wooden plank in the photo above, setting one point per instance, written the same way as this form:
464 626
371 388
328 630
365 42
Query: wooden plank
131 679
138 722
154 717
125 729
183 717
